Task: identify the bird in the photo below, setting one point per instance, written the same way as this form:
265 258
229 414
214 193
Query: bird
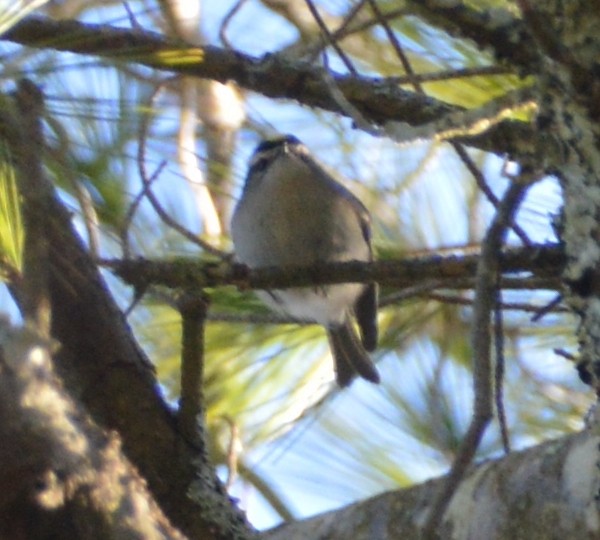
292 212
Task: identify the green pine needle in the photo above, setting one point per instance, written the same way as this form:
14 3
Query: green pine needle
11 224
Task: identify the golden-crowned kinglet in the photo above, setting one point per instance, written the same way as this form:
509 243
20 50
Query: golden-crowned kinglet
293 213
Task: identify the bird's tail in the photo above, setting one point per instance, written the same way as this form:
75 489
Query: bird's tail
349 355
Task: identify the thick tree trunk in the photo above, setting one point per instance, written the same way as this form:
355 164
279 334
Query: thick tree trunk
62 477
103 367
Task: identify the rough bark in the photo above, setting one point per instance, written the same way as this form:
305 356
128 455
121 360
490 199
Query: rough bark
569 98
103 368
546 492
542 264
62 477
378 100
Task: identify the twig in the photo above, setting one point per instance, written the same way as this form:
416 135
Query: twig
565 354
461 300
146 182
396 46
483 186
541 312
346 29
227 20
349 109
233 451
130 15
499 366
420 289
328 37
481 344
193 309
188 159
451 74
155 203
146 187
452 299
343 29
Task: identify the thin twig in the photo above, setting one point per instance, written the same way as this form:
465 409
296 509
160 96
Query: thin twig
343 29
451 299
130 15
227 20
499 366
155 203
396 46
146 186
419 290
233 451
483 186
344 104
550 306
142 137
565 354
451 74
188 158
462 301
481 345
329 39
340 33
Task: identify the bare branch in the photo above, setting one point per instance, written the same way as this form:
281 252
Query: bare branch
193 308
328 38
485 294
379 100
147 192
499 366
454 270
483 186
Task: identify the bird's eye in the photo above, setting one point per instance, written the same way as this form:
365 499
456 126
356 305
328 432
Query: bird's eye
259 163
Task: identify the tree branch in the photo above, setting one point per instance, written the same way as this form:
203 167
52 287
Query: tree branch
193 309
481 339
557 480
379 100
35 297
452 270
